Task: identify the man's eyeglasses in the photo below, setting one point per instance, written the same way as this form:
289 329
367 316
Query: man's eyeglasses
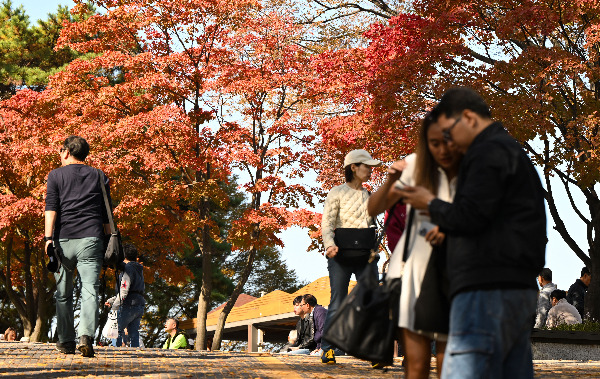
446 132
62 149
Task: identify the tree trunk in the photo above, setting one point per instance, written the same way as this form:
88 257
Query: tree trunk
205 292
592 299
216 345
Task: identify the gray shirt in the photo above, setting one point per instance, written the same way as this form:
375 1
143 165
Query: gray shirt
543 304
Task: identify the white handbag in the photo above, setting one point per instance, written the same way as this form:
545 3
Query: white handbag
111 328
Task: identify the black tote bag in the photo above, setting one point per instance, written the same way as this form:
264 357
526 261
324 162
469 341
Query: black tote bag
364 325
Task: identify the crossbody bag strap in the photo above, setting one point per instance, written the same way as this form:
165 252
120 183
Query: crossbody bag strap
411 216
111 222
375 251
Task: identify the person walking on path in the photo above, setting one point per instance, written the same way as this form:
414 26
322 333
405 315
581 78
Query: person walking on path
424 309
544 302
129 301
577 291
496 230
76 222
346 208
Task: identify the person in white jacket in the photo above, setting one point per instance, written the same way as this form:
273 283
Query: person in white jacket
562 312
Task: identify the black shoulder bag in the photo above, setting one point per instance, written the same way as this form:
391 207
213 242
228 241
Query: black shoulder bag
364 326
114 250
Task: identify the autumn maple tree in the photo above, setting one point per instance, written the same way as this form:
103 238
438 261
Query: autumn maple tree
266 96
173 98
28 152
536 62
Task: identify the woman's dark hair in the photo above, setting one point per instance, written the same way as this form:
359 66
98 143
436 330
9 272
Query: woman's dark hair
77 147
348 172
426 169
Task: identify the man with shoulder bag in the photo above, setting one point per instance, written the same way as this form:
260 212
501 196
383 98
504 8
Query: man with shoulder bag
76 222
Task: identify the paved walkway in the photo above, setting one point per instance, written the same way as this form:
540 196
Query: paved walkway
36 359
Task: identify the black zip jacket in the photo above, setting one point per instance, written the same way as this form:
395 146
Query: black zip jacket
576 295
306 333
496 224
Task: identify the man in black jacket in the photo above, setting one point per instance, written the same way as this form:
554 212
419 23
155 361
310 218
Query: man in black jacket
577 291
305 343
496 229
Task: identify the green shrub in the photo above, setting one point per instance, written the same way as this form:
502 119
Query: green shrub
587 326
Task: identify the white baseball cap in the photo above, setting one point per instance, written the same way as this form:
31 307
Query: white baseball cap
360 156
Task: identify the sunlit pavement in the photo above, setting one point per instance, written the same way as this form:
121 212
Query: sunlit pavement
19 359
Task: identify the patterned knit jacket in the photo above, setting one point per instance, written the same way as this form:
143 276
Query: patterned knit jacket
345 207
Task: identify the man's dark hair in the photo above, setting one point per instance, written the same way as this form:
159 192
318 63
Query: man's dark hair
310 300
456 100
558 294
348 172
130 252
297 300
77 147
546 274
584 271
176 322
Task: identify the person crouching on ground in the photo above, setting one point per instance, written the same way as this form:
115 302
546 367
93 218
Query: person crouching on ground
130 297
177 338
561 312
305 329
318 314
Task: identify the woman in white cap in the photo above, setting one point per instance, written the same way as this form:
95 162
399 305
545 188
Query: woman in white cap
424 311
345 220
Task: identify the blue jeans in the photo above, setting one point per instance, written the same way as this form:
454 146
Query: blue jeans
339 279
129 317
490 334
86 255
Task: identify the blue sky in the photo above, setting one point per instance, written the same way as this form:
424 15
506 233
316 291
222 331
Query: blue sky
311 266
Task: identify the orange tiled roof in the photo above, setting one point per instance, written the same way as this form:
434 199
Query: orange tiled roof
241 300
276 302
